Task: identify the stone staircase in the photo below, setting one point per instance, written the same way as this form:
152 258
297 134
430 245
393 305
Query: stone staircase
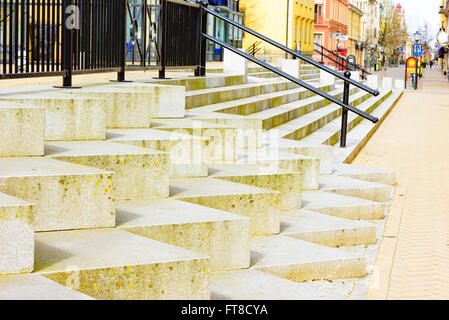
222 187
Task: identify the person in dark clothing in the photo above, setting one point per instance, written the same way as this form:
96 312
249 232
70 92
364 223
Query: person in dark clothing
431 63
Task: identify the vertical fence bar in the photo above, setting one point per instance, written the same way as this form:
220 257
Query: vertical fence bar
203 40
163 23
122 42
67 56
344 116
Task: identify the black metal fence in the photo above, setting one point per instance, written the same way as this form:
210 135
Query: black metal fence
69 37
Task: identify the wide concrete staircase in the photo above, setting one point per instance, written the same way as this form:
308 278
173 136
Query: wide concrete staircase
222 187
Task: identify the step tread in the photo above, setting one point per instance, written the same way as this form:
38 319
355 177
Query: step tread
168 212
334 182
94 148
256 285
342 169
304 221
10 201
102 248
233 170
323 199
209 187
36 167
36 287
281 250
324 133
119 135
234 87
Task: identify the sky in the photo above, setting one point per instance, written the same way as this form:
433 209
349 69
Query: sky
419 12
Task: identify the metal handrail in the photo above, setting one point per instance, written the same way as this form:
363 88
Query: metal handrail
291 78
356 66
292 52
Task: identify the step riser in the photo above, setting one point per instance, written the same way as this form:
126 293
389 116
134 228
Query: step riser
160 281
303 132
329 270
323 153
198 100
188 158
71 119
268 103
65 202
123 109
191 84
134 175
334 139
263 209
289 185
16 239
30 123
380 194
310 169
226 242
296 113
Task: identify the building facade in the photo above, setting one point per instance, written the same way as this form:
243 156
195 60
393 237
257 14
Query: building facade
355 31
332 17
289 22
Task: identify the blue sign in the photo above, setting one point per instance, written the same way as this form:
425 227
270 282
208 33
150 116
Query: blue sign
400 50
417 49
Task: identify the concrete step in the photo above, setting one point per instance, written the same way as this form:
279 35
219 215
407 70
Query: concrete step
127 108
189 155
36 287
66 196
326 230
199 83
114 264
330 134
288 183
365 173
223 139
300 128
23 129
300 261
356 188
136 170
67 117
322 152
256 285
198 98
343 206
259 101
223 236
16 235
279 115
261 205
274 158
360 135
165 101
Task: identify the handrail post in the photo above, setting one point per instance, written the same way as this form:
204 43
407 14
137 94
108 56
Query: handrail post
200 71
163 22
344 115
122 46
67 56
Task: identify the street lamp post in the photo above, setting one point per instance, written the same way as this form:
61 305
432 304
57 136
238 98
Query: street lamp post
417 37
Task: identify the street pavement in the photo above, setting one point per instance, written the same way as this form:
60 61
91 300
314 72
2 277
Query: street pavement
413 142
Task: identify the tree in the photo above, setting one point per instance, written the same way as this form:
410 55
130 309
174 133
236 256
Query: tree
392 33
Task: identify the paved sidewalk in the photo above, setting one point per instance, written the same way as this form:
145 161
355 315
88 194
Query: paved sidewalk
413 260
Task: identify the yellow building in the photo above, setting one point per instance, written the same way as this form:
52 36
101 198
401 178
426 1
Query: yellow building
443 15
355 32
289 22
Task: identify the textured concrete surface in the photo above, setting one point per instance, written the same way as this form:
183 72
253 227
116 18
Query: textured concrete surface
22 130
115 264
223 236
413 142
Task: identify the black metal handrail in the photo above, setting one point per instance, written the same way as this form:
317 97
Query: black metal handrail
292 52
346 77
344 64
